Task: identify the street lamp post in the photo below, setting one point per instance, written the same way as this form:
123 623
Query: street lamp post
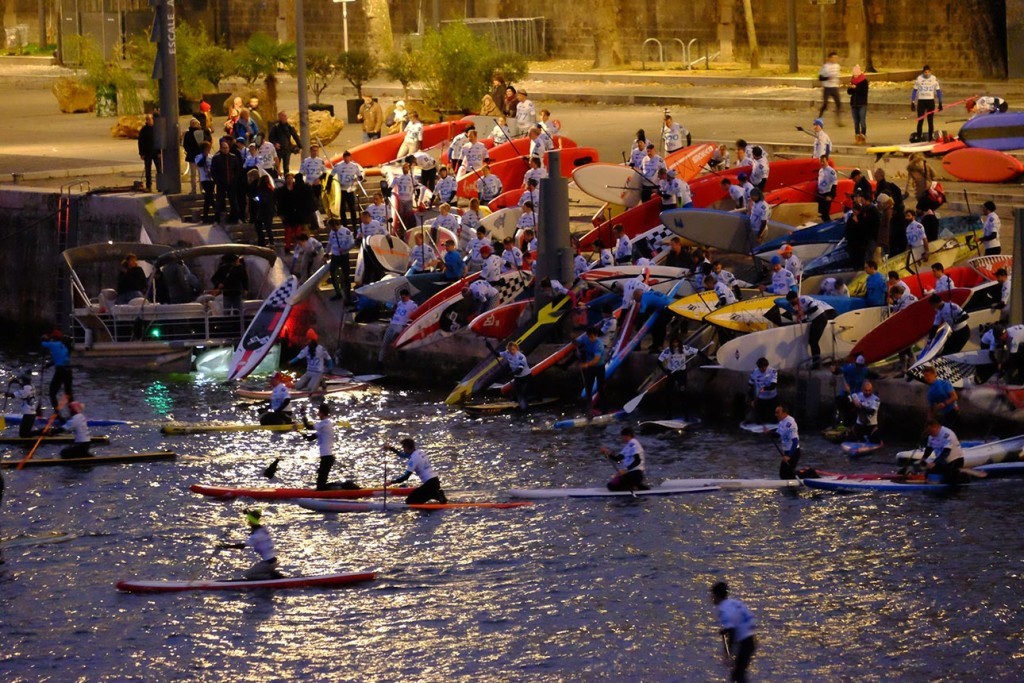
300 77
344 21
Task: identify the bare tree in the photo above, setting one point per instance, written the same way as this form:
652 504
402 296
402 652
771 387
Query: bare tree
607 45
755 52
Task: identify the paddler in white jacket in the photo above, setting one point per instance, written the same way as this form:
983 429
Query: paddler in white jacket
323 434
418 464
789 435
629 464
78 425
261 543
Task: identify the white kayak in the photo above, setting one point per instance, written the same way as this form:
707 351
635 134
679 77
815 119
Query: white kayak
975 456
667 425
735 484
595 492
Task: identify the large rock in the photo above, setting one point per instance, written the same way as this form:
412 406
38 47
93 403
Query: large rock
323 126
74 97
128 127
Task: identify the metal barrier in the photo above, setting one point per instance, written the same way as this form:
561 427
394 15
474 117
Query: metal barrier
661 52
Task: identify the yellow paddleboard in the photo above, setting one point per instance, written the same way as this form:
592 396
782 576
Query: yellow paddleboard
743 316
952 251
883 149
698 306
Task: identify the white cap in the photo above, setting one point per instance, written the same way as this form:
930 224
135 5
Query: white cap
400 103
861 360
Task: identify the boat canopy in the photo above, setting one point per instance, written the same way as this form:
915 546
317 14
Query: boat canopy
188 253
112 251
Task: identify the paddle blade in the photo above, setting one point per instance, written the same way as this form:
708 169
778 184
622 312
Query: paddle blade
634 403
3 423
271 469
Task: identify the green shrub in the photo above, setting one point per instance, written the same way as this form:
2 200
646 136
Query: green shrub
456 67
357 66
401 66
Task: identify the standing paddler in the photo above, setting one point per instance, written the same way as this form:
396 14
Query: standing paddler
323 434
737 630
789 435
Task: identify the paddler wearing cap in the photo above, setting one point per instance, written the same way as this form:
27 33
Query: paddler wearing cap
492 265
78 425
60 356
418 464
474 250
317 362
822 141
279 400
20 389
261 543
782 282
791 261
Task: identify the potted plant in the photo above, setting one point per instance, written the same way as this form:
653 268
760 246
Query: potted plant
213 64
457 66
262 57
357 66
321 71
116 90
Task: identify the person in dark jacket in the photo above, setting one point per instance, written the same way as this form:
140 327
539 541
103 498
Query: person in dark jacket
226 169
148 151
285 139
192 142
262 195
293 201
232 281
861 184
858 92
131 280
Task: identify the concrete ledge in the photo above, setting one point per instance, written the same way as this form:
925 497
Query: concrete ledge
51 174
700 77
28 60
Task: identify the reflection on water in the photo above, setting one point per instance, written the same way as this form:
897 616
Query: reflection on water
854 587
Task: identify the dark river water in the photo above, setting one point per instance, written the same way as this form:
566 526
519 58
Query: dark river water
867 587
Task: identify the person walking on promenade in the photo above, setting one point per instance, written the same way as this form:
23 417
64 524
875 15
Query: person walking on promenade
829 77
858 92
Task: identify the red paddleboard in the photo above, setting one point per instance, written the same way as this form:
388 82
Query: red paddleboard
689 162
511 171
946 147
977 165
707 189
558 356
324 581
521 148
501 321
962 276
385 149
507 199
987 266
807 191
900 331
635 222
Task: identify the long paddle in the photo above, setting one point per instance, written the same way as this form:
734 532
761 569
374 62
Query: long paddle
607 453
206 565
3 418
42 434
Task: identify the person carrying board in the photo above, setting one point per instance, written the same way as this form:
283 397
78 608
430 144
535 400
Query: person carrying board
418 464
629 464
737 631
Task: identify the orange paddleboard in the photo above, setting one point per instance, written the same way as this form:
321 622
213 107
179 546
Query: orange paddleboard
977 165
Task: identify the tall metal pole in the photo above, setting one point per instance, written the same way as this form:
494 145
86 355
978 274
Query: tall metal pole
1016 312
794 65
344 23
821 19
166 72
300 77
554 249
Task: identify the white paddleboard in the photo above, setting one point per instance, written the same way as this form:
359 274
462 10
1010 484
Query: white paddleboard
263 330
759 427
975 456
612 183
662 490
735 484
391 252
785 348
502 223
850 327
722 230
